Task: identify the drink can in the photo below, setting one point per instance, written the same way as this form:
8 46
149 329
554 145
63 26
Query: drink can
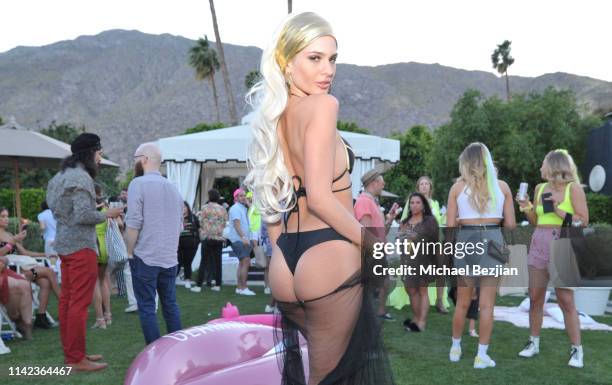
523 191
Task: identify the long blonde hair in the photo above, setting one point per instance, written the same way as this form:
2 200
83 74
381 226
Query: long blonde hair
268 176
428 179
559 167
479 175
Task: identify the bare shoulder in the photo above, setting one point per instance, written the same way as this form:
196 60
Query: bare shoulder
504 187
323 103
456 188
576 189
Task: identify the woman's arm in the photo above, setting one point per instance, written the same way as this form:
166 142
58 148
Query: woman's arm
320 141
451 207
274 231
578 197
509 218
23 251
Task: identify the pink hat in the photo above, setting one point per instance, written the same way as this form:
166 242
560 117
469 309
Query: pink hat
237 192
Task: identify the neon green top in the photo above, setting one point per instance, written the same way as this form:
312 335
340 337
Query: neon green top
100 234
254 219
433 204
552 218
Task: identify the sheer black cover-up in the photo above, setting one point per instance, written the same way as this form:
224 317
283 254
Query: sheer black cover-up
341 327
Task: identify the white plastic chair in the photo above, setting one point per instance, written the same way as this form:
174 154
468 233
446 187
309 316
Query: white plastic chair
24 261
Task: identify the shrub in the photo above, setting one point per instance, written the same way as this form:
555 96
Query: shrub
31 198
600 208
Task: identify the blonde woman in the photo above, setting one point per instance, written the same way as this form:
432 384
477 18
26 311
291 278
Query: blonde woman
562 189
478 203
299 173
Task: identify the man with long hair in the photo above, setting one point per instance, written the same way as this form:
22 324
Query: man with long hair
72 199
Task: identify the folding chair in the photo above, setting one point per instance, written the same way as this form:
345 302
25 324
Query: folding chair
6 325
19 262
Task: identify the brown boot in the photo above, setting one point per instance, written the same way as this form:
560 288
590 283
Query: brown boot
87 366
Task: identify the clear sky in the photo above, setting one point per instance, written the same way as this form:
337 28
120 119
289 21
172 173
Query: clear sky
547 36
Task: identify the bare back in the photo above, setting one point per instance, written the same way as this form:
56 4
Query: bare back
292 131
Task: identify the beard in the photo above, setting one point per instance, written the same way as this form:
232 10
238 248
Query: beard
138 170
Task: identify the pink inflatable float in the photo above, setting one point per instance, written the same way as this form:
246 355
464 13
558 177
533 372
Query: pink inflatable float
222 352
231 313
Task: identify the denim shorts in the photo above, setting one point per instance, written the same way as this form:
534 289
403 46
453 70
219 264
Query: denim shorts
240 250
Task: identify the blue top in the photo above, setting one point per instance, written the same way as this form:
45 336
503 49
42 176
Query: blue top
155 208
240 212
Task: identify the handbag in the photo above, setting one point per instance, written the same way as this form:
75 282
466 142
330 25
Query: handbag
563 267
115 246
498 252
260 257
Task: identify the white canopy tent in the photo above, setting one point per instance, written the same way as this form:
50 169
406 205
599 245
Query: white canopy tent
200 158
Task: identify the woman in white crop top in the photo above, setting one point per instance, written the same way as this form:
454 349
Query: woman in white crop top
478 203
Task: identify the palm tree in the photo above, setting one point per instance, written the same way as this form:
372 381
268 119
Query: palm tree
251 79
503 50
204 59
224 72
290 5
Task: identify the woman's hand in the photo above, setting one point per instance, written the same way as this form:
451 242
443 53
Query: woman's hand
21 236
522 203
114 212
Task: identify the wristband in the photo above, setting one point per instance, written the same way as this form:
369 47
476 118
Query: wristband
526 209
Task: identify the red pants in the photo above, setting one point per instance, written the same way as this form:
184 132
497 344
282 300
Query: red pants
79 273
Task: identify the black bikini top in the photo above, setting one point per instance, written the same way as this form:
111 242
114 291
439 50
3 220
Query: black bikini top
300 191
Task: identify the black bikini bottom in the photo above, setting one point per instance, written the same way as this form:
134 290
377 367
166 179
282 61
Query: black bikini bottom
293 245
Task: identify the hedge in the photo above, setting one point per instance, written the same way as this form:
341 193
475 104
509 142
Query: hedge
600 208
31 199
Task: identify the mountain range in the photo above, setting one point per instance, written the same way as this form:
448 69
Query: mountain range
131 87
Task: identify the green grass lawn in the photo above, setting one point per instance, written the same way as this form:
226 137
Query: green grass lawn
417 358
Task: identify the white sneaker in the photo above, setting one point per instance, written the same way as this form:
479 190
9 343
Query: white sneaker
267 290
196 289
179 282
576 359
455 354
131 308
269 309
473 333
187 285
239 291
482 362
529 350
247 291
216 288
